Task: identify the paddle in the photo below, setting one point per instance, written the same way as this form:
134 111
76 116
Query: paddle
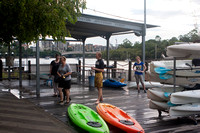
165 76
163 70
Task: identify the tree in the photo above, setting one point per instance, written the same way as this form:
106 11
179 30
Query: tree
126 44
27 20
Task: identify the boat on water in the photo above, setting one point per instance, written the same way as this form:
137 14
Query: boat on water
113 83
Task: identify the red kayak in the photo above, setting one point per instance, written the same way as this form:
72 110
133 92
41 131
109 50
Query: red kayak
117 117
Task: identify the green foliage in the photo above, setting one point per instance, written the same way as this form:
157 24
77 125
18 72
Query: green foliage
127 50
27 20
126 44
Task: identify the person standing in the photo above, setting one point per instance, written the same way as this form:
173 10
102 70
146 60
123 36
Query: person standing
139 68
64 72
99 68
53 73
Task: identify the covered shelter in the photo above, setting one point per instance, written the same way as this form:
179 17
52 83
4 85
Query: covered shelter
88 26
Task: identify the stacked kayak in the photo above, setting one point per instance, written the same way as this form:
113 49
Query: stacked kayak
186 97
87 119
113 83
160 97
162 71
185 110
118 118
189 102
184 50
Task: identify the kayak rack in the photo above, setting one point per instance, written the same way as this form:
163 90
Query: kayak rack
194 117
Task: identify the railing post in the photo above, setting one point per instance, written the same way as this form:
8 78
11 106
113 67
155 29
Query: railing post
129 71
29 70
114 70
79 70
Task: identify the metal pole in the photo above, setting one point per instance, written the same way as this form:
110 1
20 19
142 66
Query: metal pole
174 74
9 76
1 69
37 69
83 76
129 71
20 65
155 51
107 50
144 34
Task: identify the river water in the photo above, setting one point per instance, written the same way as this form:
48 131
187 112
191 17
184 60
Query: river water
89 62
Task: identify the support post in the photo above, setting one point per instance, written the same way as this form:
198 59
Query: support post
29 70
129 70
9 75
1 69
37 69
174 74
107 51
83 73
143 35
79 71
20 65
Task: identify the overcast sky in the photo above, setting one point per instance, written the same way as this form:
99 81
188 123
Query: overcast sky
175 17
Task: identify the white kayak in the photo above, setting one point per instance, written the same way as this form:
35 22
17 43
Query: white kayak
185 97
169 64
184 50
162 106
186 73
161 94
185 110
192 81
147 84
156 95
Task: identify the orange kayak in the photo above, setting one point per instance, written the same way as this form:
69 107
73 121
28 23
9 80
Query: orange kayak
118 118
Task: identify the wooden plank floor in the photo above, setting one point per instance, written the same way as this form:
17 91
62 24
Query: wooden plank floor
130 101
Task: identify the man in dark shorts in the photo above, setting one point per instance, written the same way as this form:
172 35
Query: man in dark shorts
99 68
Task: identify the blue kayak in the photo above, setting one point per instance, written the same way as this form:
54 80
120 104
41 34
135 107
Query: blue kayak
113 83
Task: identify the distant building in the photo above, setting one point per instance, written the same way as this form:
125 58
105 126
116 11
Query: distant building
46 45
33 48
89 48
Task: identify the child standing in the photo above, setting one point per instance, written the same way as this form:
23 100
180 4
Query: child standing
139 68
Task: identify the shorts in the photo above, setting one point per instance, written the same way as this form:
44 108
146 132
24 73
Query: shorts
98 80
139 78
65 84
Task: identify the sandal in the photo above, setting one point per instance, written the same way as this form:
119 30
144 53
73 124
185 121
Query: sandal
97 102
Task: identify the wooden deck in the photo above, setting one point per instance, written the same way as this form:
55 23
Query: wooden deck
130 101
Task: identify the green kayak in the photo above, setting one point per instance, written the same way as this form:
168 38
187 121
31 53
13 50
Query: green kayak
87 119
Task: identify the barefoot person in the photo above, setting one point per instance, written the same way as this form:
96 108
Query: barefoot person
99 68
53 73
140 69
64 72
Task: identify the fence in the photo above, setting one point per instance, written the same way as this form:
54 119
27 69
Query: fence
115 71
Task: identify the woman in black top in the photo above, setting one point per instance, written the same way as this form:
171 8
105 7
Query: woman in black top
53 72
